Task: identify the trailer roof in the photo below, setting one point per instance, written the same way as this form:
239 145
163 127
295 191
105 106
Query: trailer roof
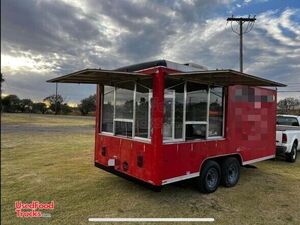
225 78
212 77
98 76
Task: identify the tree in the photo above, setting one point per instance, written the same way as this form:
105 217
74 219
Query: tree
88 105
288 104
39 107
25 105
55 102
65 109
10 103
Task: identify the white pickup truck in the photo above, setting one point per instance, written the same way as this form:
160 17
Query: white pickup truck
288 136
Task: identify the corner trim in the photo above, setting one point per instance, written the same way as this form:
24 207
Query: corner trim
258 160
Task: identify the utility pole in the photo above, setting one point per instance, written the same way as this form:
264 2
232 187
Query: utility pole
240 21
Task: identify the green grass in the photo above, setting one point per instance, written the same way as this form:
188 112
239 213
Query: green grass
48 158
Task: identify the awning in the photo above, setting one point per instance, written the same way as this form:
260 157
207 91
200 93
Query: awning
224 78
210 77
98 76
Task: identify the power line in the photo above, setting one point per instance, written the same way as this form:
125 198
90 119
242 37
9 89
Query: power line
240 21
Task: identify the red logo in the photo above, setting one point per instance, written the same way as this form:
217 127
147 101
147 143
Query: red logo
32 209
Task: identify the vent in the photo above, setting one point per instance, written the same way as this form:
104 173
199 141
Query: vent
103 151
125 166
140 161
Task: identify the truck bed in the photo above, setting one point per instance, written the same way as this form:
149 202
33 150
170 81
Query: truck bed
284 128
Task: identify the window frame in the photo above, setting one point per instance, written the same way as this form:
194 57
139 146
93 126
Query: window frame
223 117
184 121
133 137
205 122
173 96
101 118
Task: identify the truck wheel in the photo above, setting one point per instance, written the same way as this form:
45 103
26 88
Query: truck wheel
292 156
209 178
230 168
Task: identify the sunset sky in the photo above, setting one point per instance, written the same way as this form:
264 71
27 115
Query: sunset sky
42 39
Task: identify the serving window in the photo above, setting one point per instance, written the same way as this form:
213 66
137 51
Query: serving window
123 120
108 109
142 111
191 111
216 112
126 110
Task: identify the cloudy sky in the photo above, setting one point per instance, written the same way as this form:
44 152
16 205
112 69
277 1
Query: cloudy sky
42 39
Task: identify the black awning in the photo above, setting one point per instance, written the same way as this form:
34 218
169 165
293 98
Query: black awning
210 77
98 76
224 78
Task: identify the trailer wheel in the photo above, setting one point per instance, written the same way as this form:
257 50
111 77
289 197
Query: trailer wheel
292 156
230 169
209 178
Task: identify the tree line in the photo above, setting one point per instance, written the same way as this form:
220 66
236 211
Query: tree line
56 105
289 106
53 104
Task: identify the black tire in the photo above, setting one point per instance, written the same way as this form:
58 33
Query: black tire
230 169
210 176
292 156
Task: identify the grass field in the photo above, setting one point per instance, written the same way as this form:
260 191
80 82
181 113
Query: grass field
48 158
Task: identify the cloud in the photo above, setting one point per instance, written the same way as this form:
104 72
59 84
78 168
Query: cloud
45 39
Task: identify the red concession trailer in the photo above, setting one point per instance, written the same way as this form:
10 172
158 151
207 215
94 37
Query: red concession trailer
161 122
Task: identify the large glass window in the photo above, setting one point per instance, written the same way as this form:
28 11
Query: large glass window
196 102
168 114
124 102
216 112
196 111
108 109
124 109
142 111
191 110
173 110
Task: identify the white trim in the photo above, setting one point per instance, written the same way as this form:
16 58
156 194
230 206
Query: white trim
184 111
182 141
99 104
258 159
142 139
173 115
149 113
214 137
207 112
134 110
173 141
196 122
114 116
124 120
151 220
179 178
107 133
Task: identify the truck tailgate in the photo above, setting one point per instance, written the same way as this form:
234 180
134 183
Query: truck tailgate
278 137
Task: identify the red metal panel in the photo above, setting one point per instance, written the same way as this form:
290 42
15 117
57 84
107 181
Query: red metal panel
98 116
157 121
250 114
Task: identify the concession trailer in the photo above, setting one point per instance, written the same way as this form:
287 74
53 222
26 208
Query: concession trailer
161 122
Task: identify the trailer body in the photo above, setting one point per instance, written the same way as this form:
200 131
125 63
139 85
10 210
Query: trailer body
238 119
